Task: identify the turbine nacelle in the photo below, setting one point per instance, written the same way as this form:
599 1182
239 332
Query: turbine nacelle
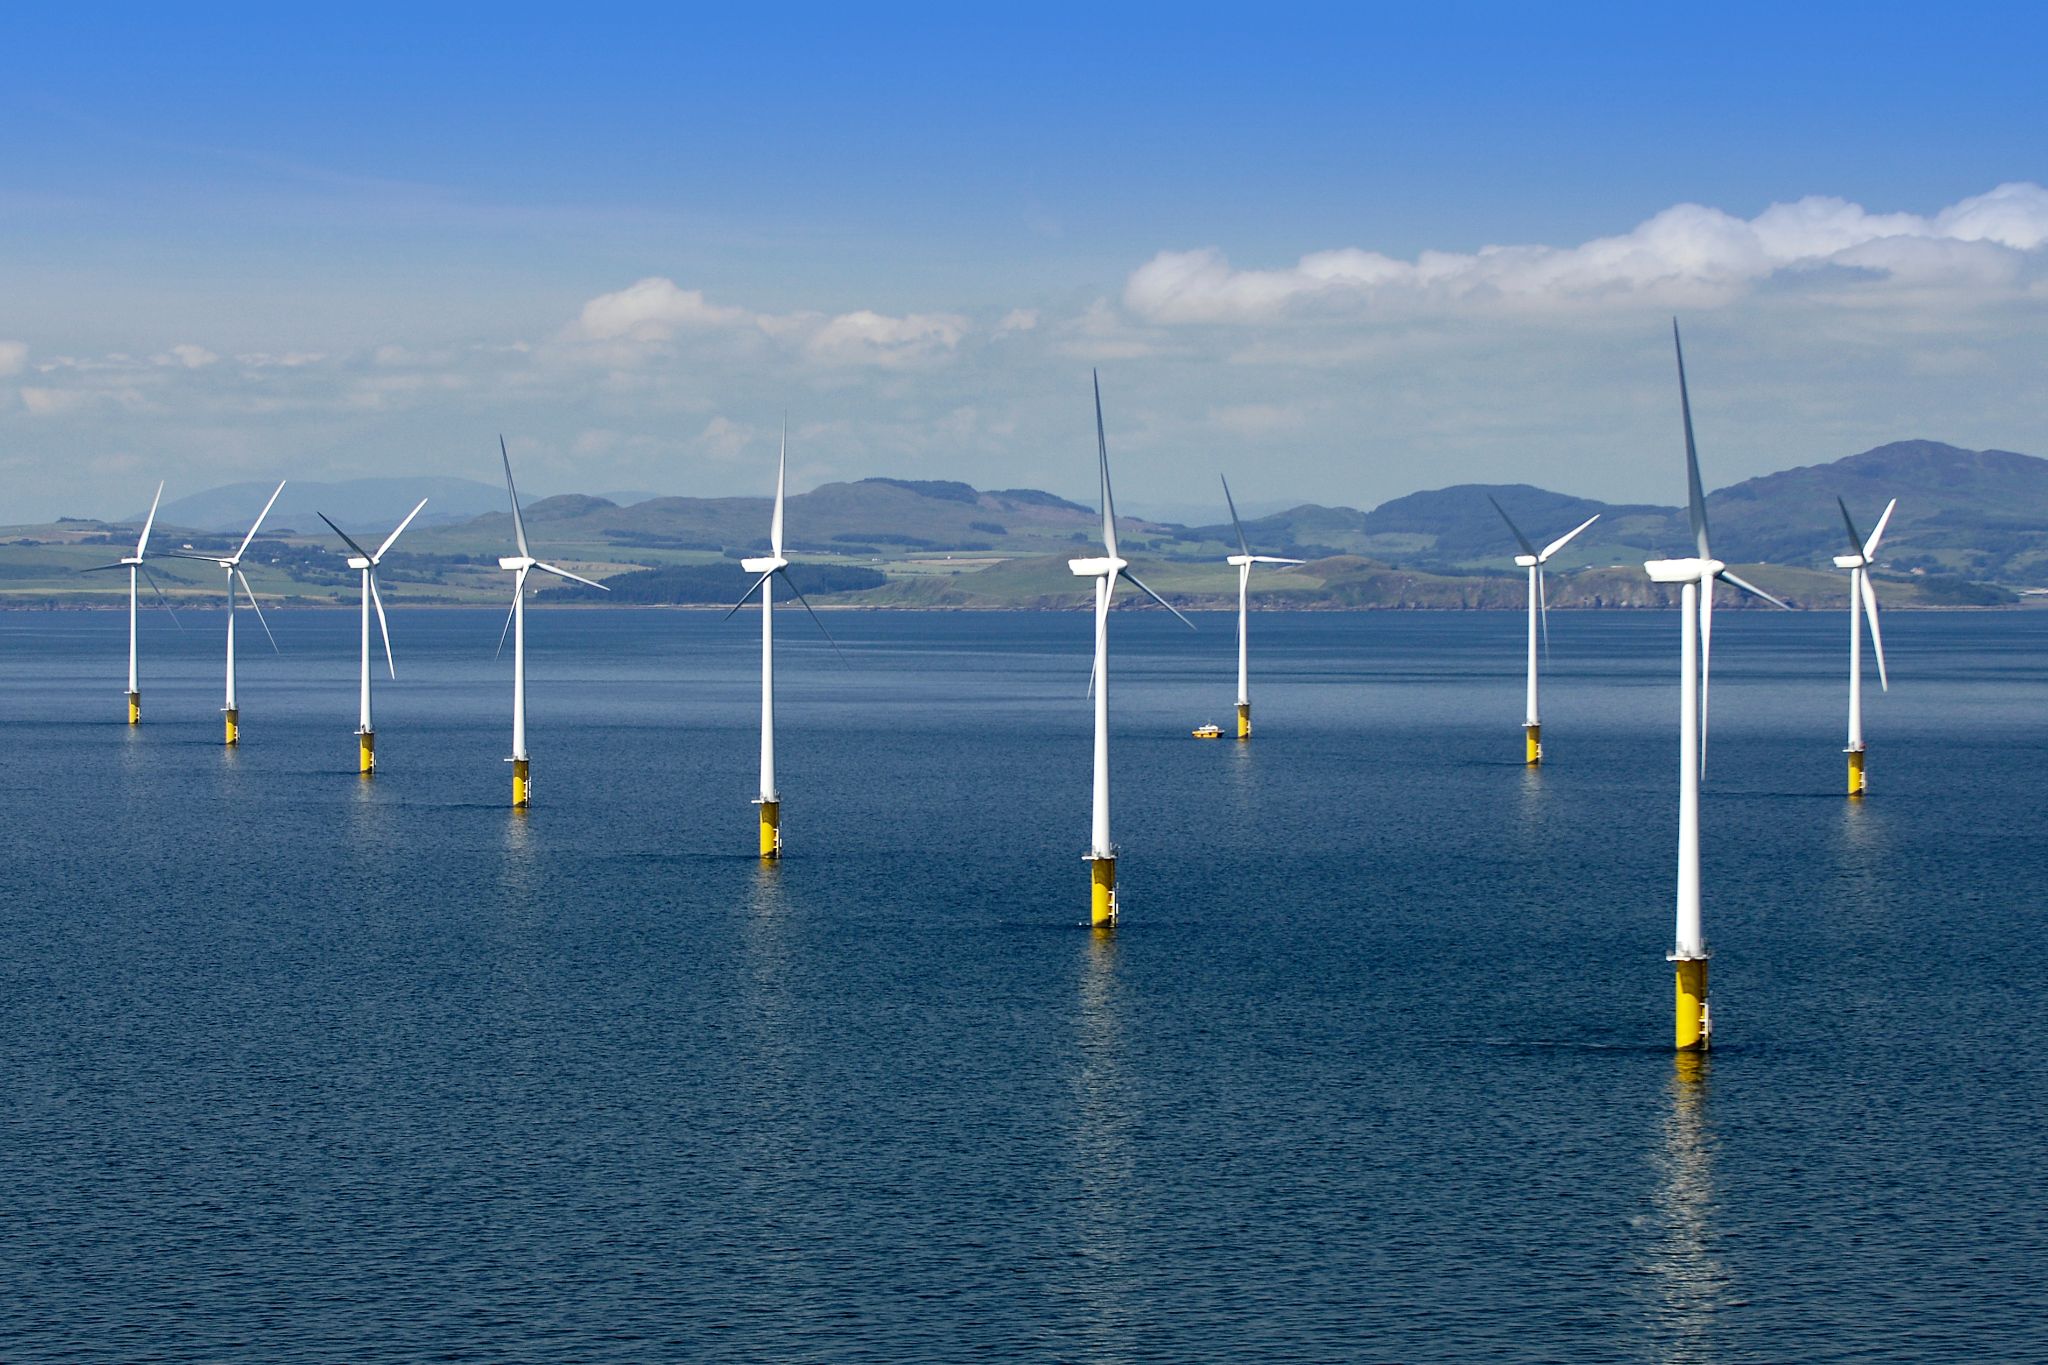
1684 570
512 563
764 564
1526 561
1104 567
1851 562
358 562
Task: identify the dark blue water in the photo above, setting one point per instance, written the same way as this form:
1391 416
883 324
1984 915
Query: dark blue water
299 1067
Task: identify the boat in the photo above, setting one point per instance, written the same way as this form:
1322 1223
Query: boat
1208 732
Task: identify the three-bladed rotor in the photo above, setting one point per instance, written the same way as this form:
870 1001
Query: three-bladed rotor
773 563
135 563
1704 569
233 564
1112 565
1245 555
1862 555
523 563
366 562
1533 558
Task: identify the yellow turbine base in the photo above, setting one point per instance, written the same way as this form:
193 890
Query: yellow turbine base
771 830
1855 772
1695 1026
1533 737
135 708
1102 893
234 727
522 789
366 752
1244 720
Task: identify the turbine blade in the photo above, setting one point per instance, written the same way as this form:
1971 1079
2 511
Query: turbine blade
161 598
1242 543
1275 559
1876 636
1543 611
512 491
1102 453
383 626
748 594
518 585
573 578
1754 591
1101 615
1706 661
1696 500
143 543
250 593
1520 539
214 560
1870 546
259 521
395 534
1855 539
1126 573
781 468
344 535
102 568
790 583
1554 546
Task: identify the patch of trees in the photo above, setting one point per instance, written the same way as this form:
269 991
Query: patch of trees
946 490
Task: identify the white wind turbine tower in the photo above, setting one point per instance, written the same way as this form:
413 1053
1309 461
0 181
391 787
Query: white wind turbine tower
1862 599
1101 855
1694 1025
520 565
1244 561
366 735
1533 560
768 566
136 572
233 565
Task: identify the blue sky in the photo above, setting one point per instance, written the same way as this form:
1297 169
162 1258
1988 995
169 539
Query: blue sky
248 245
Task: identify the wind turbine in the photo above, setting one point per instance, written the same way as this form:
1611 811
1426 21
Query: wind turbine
519 565
1694 1025
133 564
1244 561
233 565
366 737
768 566
1864 597
1533 560
1101 855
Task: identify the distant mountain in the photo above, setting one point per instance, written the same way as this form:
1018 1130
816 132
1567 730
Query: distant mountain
373 505
1979 513
1971 526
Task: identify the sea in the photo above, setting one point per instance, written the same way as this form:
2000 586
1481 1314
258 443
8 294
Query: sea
297 1066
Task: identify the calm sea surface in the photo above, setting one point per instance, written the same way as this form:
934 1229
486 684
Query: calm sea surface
295 1066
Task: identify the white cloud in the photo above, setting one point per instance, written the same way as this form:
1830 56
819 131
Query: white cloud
13 355
653 309
187 356
1018 320
1687 255
724 439
635 322
868 338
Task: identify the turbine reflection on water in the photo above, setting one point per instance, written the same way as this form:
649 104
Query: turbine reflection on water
1691 1282
1107 1118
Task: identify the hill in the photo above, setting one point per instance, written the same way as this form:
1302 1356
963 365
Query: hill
1970 526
